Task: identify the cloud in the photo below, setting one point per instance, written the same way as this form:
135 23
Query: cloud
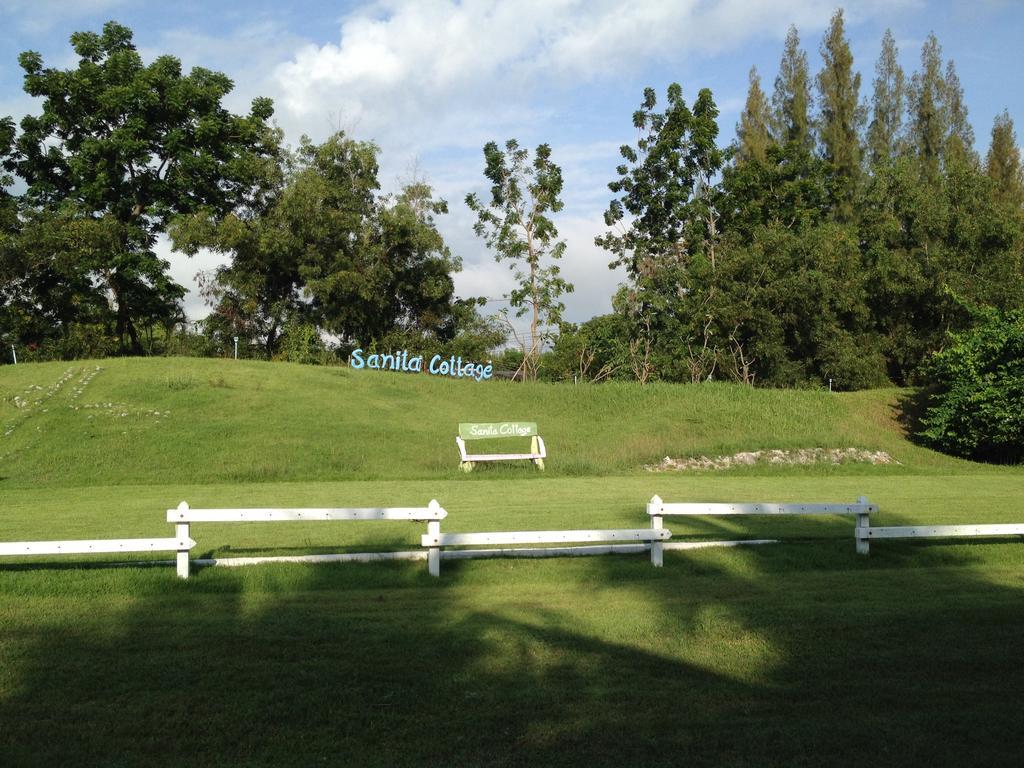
437 69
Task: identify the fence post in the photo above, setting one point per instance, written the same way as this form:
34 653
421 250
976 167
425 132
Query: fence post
434 553
860 530
182 532
657 550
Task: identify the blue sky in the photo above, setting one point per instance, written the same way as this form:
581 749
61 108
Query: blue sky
432 80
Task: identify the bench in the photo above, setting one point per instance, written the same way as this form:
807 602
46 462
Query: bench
434 540
498 430
658 509
182 516
865 534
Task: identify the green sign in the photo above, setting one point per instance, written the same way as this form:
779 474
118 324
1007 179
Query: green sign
492 429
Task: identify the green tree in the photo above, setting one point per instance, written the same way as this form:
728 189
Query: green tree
323 249
665 216
753 132
960 141
976 405
792 97
887 104
840 113
929 116
517 225
125 146
1003 165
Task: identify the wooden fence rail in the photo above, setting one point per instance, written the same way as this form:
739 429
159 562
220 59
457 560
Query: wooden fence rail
658 510
183 516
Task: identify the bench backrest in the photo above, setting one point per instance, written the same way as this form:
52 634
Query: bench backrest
496 429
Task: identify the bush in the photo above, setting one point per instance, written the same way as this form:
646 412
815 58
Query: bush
977 407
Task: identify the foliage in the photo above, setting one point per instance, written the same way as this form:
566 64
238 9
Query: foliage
324 248
753 132
594 351
977 400
665 219
841 114
1003 166
887 104
791 100
119 149
516 224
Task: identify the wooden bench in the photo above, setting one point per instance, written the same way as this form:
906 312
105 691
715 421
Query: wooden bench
658 509
865 534
183 515
499 430
434 540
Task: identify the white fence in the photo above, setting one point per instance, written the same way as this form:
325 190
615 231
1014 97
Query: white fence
183 516
658 510
864 535
493 543
435 540
95 546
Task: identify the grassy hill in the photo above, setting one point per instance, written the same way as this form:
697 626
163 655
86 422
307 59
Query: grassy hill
162 421
798 654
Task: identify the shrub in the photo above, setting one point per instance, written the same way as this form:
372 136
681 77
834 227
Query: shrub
976 409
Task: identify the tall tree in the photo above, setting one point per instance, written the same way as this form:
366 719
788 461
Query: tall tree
124 146
887 104
792 97
325 249
665 230
960 142
929 117
753 131
1003 164
840 112
516 223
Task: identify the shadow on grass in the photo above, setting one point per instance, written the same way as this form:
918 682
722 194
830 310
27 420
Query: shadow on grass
792 654
911 408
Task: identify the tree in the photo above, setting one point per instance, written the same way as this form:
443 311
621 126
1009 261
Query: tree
887 104
960 141
792 97
753 132
515 222
325 250
976 406
1003 164
124 147
929 122
840 113
666 232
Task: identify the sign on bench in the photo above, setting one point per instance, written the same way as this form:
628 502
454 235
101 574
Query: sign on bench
183 515
657 509
498 430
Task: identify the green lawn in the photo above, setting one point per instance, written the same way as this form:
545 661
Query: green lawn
798 653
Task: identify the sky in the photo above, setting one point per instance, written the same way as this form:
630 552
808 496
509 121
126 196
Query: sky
432 81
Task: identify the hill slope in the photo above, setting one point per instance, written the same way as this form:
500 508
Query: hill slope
162 421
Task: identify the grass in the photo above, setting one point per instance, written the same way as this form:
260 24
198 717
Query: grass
799 653
207 421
